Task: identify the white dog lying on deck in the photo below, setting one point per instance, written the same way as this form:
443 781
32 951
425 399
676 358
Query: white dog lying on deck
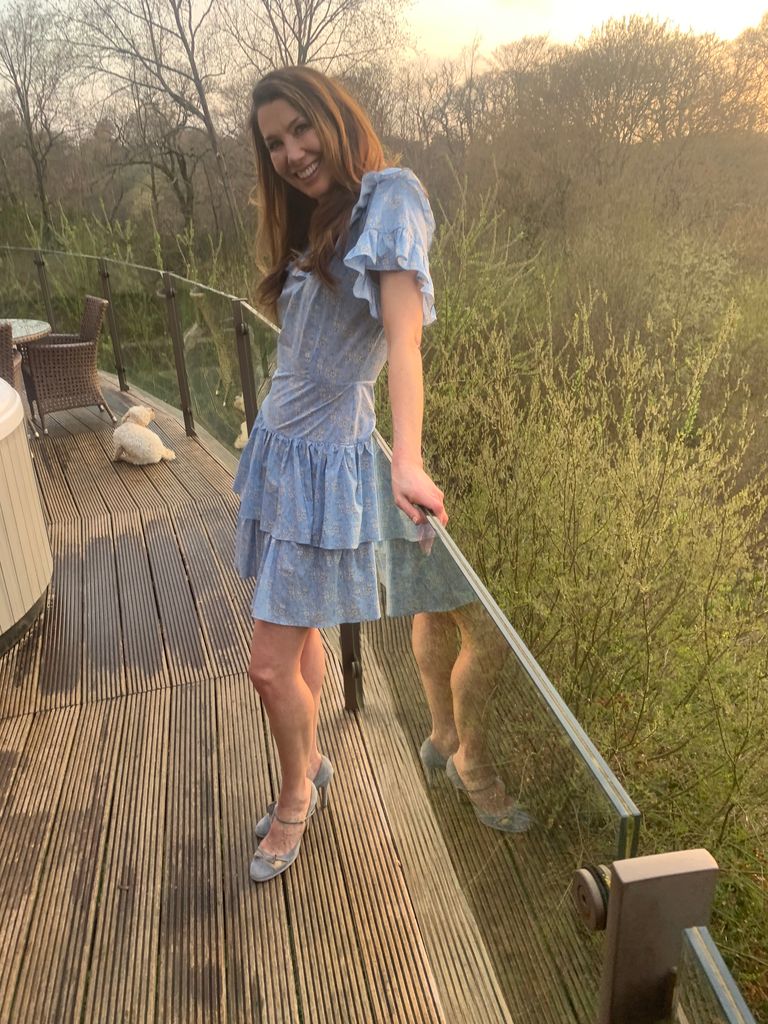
242 438
135 442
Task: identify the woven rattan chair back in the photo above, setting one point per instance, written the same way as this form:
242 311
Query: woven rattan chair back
93 317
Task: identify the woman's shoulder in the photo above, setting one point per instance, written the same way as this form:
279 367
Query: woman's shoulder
391 188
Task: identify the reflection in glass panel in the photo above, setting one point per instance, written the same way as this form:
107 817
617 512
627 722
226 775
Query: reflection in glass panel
526 801
263 337
210 353
705 992
139 306
21 297
70 279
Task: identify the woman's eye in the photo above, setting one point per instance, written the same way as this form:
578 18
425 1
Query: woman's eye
272 146
300 128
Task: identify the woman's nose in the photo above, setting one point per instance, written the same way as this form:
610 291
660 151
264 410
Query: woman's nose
294 151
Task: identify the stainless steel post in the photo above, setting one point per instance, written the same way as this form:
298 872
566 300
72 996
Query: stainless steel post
245 361
43 275
174 327
106 292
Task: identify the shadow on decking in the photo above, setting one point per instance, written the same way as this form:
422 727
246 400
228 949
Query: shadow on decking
135 760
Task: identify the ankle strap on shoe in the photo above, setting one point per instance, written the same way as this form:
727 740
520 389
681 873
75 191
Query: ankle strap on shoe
284 821
481 789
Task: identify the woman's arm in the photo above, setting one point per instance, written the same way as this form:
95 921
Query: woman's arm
401 310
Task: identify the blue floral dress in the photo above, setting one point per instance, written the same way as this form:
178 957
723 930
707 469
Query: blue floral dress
308 517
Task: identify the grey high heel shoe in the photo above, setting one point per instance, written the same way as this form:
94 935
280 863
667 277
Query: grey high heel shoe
432 761
322 781
265 866
514 820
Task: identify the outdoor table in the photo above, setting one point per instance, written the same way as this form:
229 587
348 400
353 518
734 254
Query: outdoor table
25 333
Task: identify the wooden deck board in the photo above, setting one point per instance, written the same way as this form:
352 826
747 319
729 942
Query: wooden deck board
31 824
260 977
135 761
124 957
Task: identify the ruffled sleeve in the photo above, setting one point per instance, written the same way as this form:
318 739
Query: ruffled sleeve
396 227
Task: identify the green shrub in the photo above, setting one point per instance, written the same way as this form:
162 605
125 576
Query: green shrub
598 486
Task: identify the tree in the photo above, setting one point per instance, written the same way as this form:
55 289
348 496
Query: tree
155 134
336 36
36 67
169 47
751 59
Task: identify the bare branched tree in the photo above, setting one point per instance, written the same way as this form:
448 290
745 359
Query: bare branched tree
750 53
165 46
35 67
336 36
155 133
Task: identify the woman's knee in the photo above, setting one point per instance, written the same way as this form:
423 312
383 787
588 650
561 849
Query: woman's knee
275 653
264 677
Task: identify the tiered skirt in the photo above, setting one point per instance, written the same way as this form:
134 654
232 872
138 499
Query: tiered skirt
307 528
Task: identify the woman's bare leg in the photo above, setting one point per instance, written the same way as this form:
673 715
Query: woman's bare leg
435 643
458 682
312 669
475 673
275 671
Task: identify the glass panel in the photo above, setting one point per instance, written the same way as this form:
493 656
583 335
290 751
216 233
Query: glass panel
263 336
70 279
445 662
20 295
140 310
705 992
210 353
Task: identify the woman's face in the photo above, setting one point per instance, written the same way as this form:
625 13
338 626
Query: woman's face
294 147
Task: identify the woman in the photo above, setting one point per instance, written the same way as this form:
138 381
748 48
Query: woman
346 243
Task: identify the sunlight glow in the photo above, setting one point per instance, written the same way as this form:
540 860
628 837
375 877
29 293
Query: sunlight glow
441 28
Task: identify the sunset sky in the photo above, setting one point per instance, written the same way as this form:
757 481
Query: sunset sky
442 27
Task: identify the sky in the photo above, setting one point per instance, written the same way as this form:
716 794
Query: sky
442 27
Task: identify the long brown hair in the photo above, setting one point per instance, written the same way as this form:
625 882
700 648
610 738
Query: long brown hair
289 221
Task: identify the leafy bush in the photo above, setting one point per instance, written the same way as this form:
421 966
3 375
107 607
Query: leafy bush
599 489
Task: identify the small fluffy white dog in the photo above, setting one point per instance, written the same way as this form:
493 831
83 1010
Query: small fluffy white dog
242 438
135 442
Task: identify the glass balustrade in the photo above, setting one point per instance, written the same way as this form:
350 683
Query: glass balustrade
20 294
70 278
210 354
444 662
705 992
263 340
140 312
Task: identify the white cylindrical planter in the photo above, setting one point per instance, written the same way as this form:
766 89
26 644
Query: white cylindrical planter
26 564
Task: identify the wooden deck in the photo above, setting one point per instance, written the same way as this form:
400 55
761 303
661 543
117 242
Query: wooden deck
135 759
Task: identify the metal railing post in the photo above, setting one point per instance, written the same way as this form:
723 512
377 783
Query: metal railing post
43 275
178 354
245 361
644 904
106 292
352 665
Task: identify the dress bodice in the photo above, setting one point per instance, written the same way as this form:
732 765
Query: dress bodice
331 347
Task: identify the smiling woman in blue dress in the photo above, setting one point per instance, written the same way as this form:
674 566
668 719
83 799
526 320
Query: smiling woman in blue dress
344 241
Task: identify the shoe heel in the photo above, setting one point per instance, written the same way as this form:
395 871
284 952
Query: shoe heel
323 796
432 762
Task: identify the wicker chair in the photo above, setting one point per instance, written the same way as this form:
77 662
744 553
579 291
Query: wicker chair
10 360
61 371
